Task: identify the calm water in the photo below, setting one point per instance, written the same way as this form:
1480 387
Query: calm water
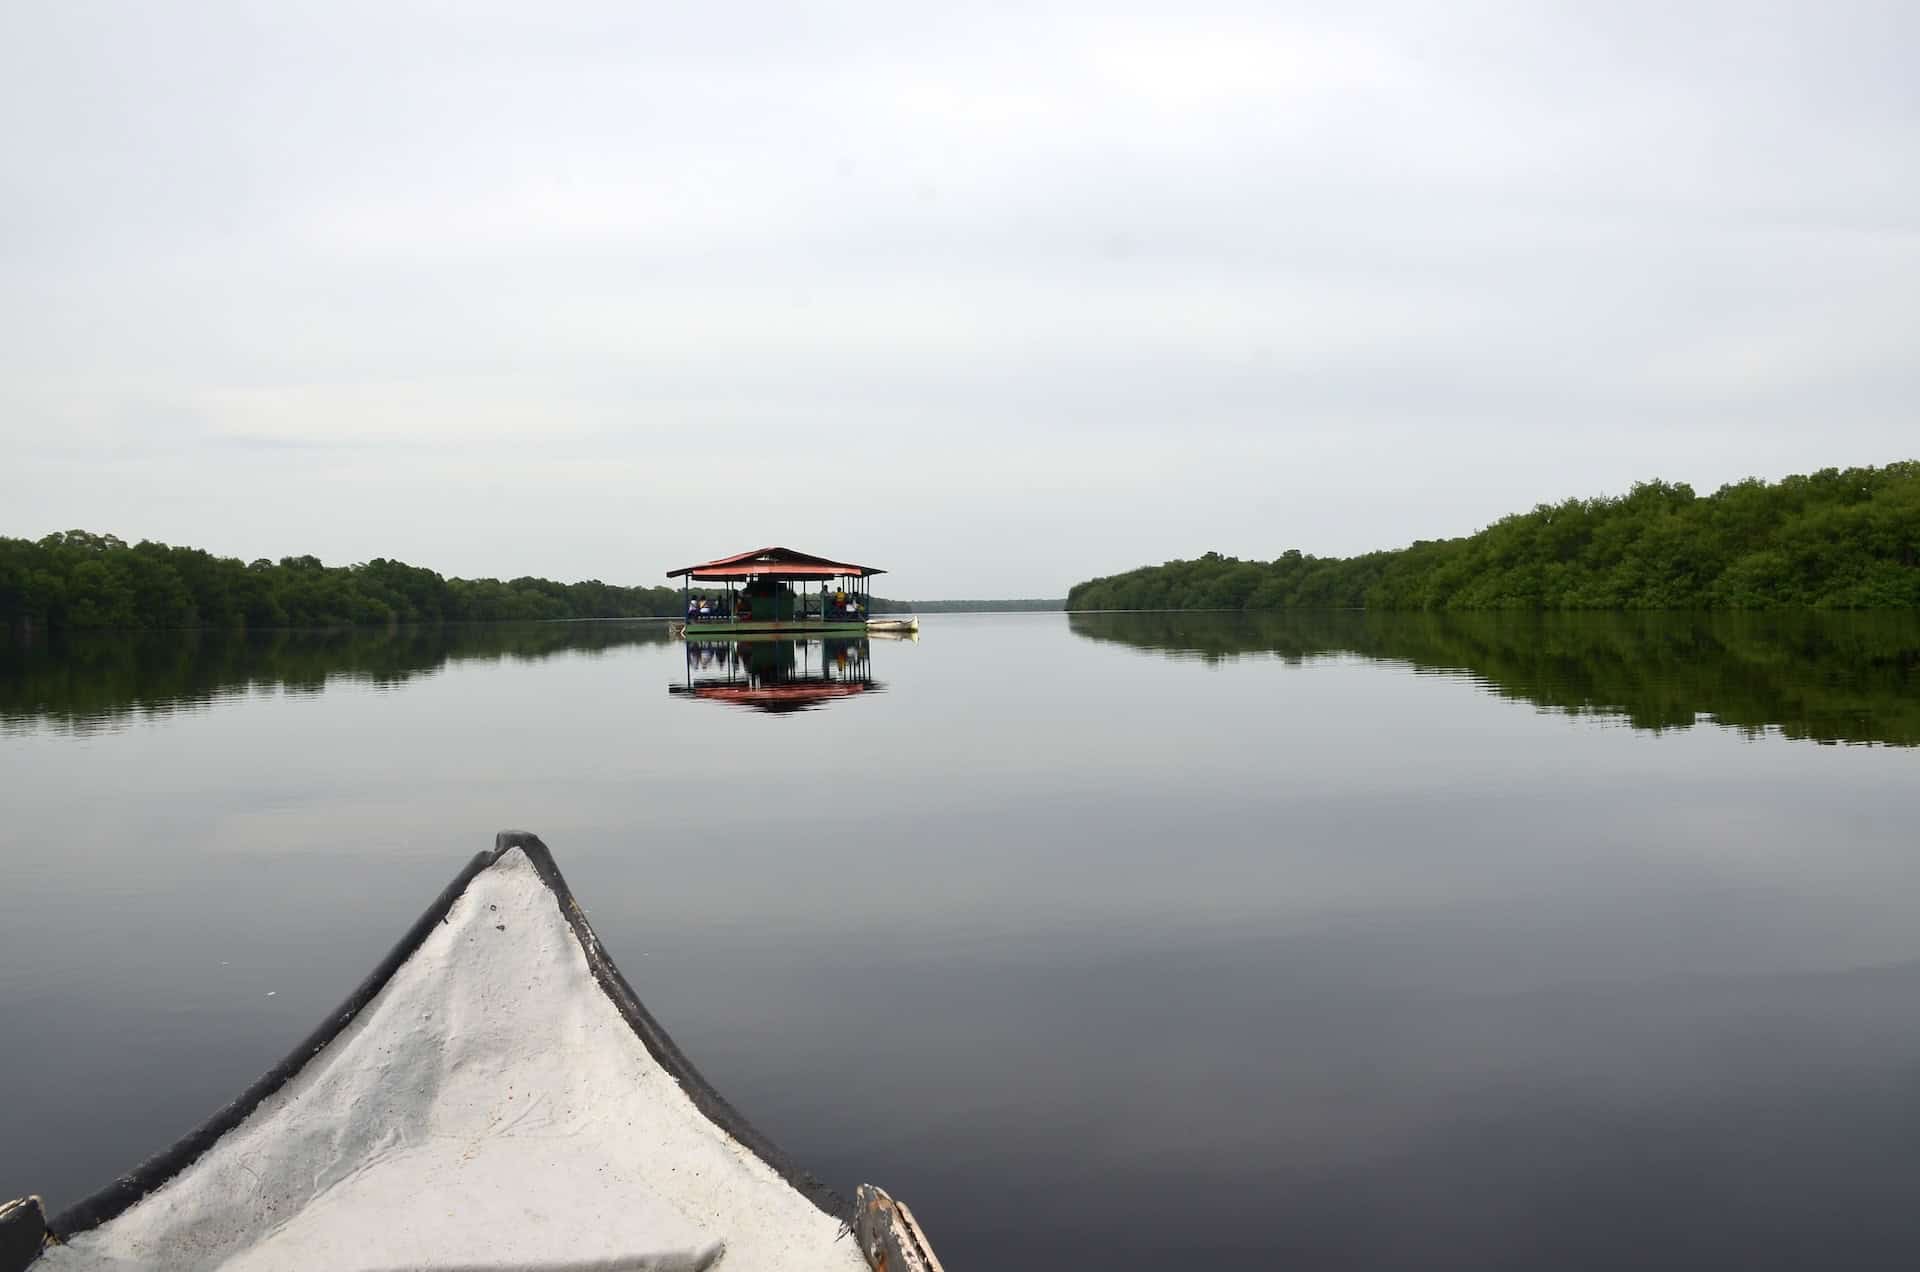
1119 941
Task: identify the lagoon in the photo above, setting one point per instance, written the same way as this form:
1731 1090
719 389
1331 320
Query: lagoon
1121 940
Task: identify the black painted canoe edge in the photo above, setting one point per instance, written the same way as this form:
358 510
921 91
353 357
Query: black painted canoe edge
23 1233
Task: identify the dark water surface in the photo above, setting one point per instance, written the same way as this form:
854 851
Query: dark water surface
1106 941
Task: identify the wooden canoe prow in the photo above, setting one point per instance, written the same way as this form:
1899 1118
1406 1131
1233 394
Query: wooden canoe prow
500 991
888 1234
635 1160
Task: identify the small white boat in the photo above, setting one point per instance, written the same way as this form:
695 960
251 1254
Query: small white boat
893 625
494 1096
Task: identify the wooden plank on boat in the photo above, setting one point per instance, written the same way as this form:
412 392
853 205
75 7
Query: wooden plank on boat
888 1234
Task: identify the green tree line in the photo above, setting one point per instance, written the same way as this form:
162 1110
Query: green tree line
77 581
1835 539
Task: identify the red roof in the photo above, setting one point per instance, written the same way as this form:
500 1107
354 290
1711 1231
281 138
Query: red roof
773 563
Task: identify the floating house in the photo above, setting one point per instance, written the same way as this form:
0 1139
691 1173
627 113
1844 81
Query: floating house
774 590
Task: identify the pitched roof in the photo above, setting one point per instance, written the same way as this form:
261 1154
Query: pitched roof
775 563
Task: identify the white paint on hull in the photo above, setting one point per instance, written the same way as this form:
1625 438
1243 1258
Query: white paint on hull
489 1108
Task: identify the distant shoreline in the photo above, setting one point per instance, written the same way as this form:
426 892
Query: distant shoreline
1834 539
78 581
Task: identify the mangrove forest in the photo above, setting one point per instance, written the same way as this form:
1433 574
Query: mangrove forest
78 581
1835 539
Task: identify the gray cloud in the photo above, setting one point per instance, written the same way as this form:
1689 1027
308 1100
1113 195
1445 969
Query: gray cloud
1000 297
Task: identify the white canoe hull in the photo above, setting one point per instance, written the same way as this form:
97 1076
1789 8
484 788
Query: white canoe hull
493 1096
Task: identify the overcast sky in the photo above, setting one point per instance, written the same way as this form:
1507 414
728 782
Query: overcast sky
998 296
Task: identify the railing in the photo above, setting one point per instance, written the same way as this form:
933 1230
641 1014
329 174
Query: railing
852 611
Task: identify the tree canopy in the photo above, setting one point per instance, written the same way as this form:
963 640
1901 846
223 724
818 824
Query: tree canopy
80 581
1835 539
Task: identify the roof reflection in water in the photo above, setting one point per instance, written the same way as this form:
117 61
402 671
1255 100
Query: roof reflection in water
778 675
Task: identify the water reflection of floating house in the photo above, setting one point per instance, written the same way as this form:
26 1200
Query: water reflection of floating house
775 590
776 674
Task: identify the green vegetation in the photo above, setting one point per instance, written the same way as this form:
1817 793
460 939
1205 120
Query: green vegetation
78 581
1835 677
1838 539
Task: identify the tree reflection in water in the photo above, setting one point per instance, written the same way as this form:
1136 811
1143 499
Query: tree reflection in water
1825 677
101 681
